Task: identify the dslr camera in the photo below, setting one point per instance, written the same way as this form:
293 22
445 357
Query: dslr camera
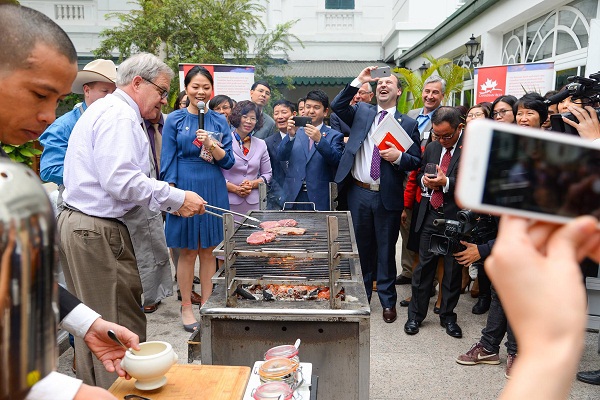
580 88
469 226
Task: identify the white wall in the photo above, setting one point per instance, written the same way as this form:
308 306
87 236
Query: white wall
83 20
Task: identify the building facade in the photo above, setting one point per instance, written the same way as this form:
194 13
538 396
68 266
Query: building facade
564 32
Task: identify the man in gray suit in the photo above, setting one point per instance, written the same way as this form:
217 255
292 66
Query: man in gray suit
434 88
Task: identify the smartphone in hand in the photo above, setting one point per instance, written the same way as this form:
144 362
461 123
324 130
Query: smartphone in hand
381 72
302 121
507 169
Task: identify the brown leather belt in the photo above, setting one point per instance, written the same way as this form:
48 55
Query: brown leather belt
374 187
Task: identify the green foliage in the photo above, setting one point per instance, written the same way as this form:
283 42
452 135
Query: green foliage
22 154
202 31
413 81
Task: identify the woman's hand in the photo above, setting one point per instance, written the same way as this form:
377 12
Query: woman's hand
204 138
245 188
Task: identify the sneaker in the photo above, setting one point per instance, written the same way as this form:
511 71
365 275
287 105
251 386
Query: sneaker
478 355
510 362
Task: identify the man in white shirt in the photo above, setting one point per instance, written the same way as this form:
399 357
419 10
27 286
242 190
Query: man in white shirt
38 63
106 176
374 179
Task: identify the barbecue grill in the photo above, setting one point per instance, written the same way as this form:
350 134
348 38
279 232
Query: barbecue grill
334 333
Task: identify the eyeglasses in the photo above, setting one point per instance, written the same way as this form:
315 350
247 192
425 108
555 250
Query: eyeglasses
445 137
247 118
500 113
163 92
475 115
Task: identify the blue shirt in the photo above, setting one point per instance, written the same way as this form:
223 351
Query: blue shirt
422 120
55 140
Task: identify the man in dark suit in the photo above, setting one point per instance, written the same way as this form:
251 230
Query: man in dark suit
374 178
283 110
365 93
445 152
313 153
432 95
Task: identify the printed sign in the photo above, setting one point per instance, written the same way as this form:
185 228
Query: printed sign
518 79
231 80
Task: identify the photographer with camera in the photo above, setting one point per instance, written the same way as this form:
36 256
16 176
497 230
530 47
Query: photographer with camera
576 102
445 152
477 248
587 125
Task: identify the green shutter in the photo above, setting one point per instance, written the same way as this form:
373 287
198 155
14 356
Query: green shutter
339 4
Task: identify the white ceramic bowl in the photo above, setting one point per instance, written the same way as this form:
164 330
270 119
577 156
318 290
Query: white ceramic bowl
150 364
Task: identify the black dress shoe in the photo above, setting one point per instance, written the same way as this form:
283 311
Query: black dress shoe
411 327
452 329
404 303
482 306
403 280
436 310
389 315
591 377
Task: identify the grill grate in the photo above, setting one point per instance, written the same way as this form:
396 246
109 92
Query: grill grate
310 268
314 240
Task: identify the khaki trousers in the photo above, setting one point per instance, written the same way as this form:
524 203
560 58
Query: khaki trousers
100 268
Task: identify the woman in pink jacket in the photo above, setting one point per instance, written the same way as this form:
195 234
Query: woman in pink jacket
252 163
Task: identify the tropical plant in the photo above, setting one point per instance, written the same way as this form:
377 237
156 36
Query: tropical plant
202 31
453 74
22 154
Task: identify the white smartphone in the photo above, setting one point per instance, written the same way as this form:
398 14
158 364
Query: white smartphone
537 174
381 72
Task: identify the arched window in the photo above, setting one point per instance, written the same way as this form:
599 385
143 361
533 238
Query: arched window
561 31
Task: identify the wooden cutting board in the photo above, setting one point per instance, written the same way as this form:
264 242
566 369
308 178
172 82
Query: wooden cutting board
191 381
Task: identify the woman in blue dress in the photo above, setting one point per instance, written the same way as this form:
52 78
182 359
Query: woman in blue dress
192 160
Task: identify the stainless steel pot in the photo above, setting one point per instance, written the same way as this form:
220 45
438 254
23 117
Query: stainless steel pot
28 289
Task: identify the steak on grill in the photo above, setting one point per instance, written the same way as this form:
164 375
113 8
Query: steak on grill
286 230
269 224
263 237
287 222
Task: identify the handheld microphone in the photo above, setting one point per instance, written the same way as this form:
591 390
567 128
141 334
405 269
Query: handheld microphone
558 97
201 106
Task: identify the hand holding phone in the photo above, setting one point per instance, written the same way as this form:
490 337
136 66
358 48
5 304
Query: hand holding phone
506 169
301 121
381 72
430 172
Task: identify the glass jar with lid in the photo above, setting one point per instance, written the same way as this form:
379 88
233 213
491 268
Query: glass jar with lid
279 369
286 351
273 391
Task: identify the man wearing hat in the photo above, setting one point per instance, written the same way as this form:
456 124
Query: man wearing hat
94 81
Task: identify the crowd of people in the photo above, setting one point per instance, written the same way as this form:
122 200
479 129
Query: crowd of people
125 170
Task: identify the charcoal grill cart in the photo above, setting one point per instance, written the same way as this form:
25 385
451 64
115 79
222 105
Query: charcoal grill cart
334 331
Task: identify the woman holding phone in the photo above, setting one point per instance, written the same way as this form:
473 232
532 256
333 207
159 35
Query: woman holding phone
193 160
252 162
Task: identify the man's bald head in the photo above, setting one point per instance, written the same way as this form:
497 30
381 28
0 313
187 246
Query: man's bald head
21 29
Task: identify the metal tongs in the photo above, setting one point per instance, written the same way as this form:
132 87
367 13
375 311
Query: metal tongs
234 213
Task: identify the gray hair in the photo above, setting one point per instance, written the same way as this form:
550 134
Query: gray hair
21 29
436 78
370 88
146 65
